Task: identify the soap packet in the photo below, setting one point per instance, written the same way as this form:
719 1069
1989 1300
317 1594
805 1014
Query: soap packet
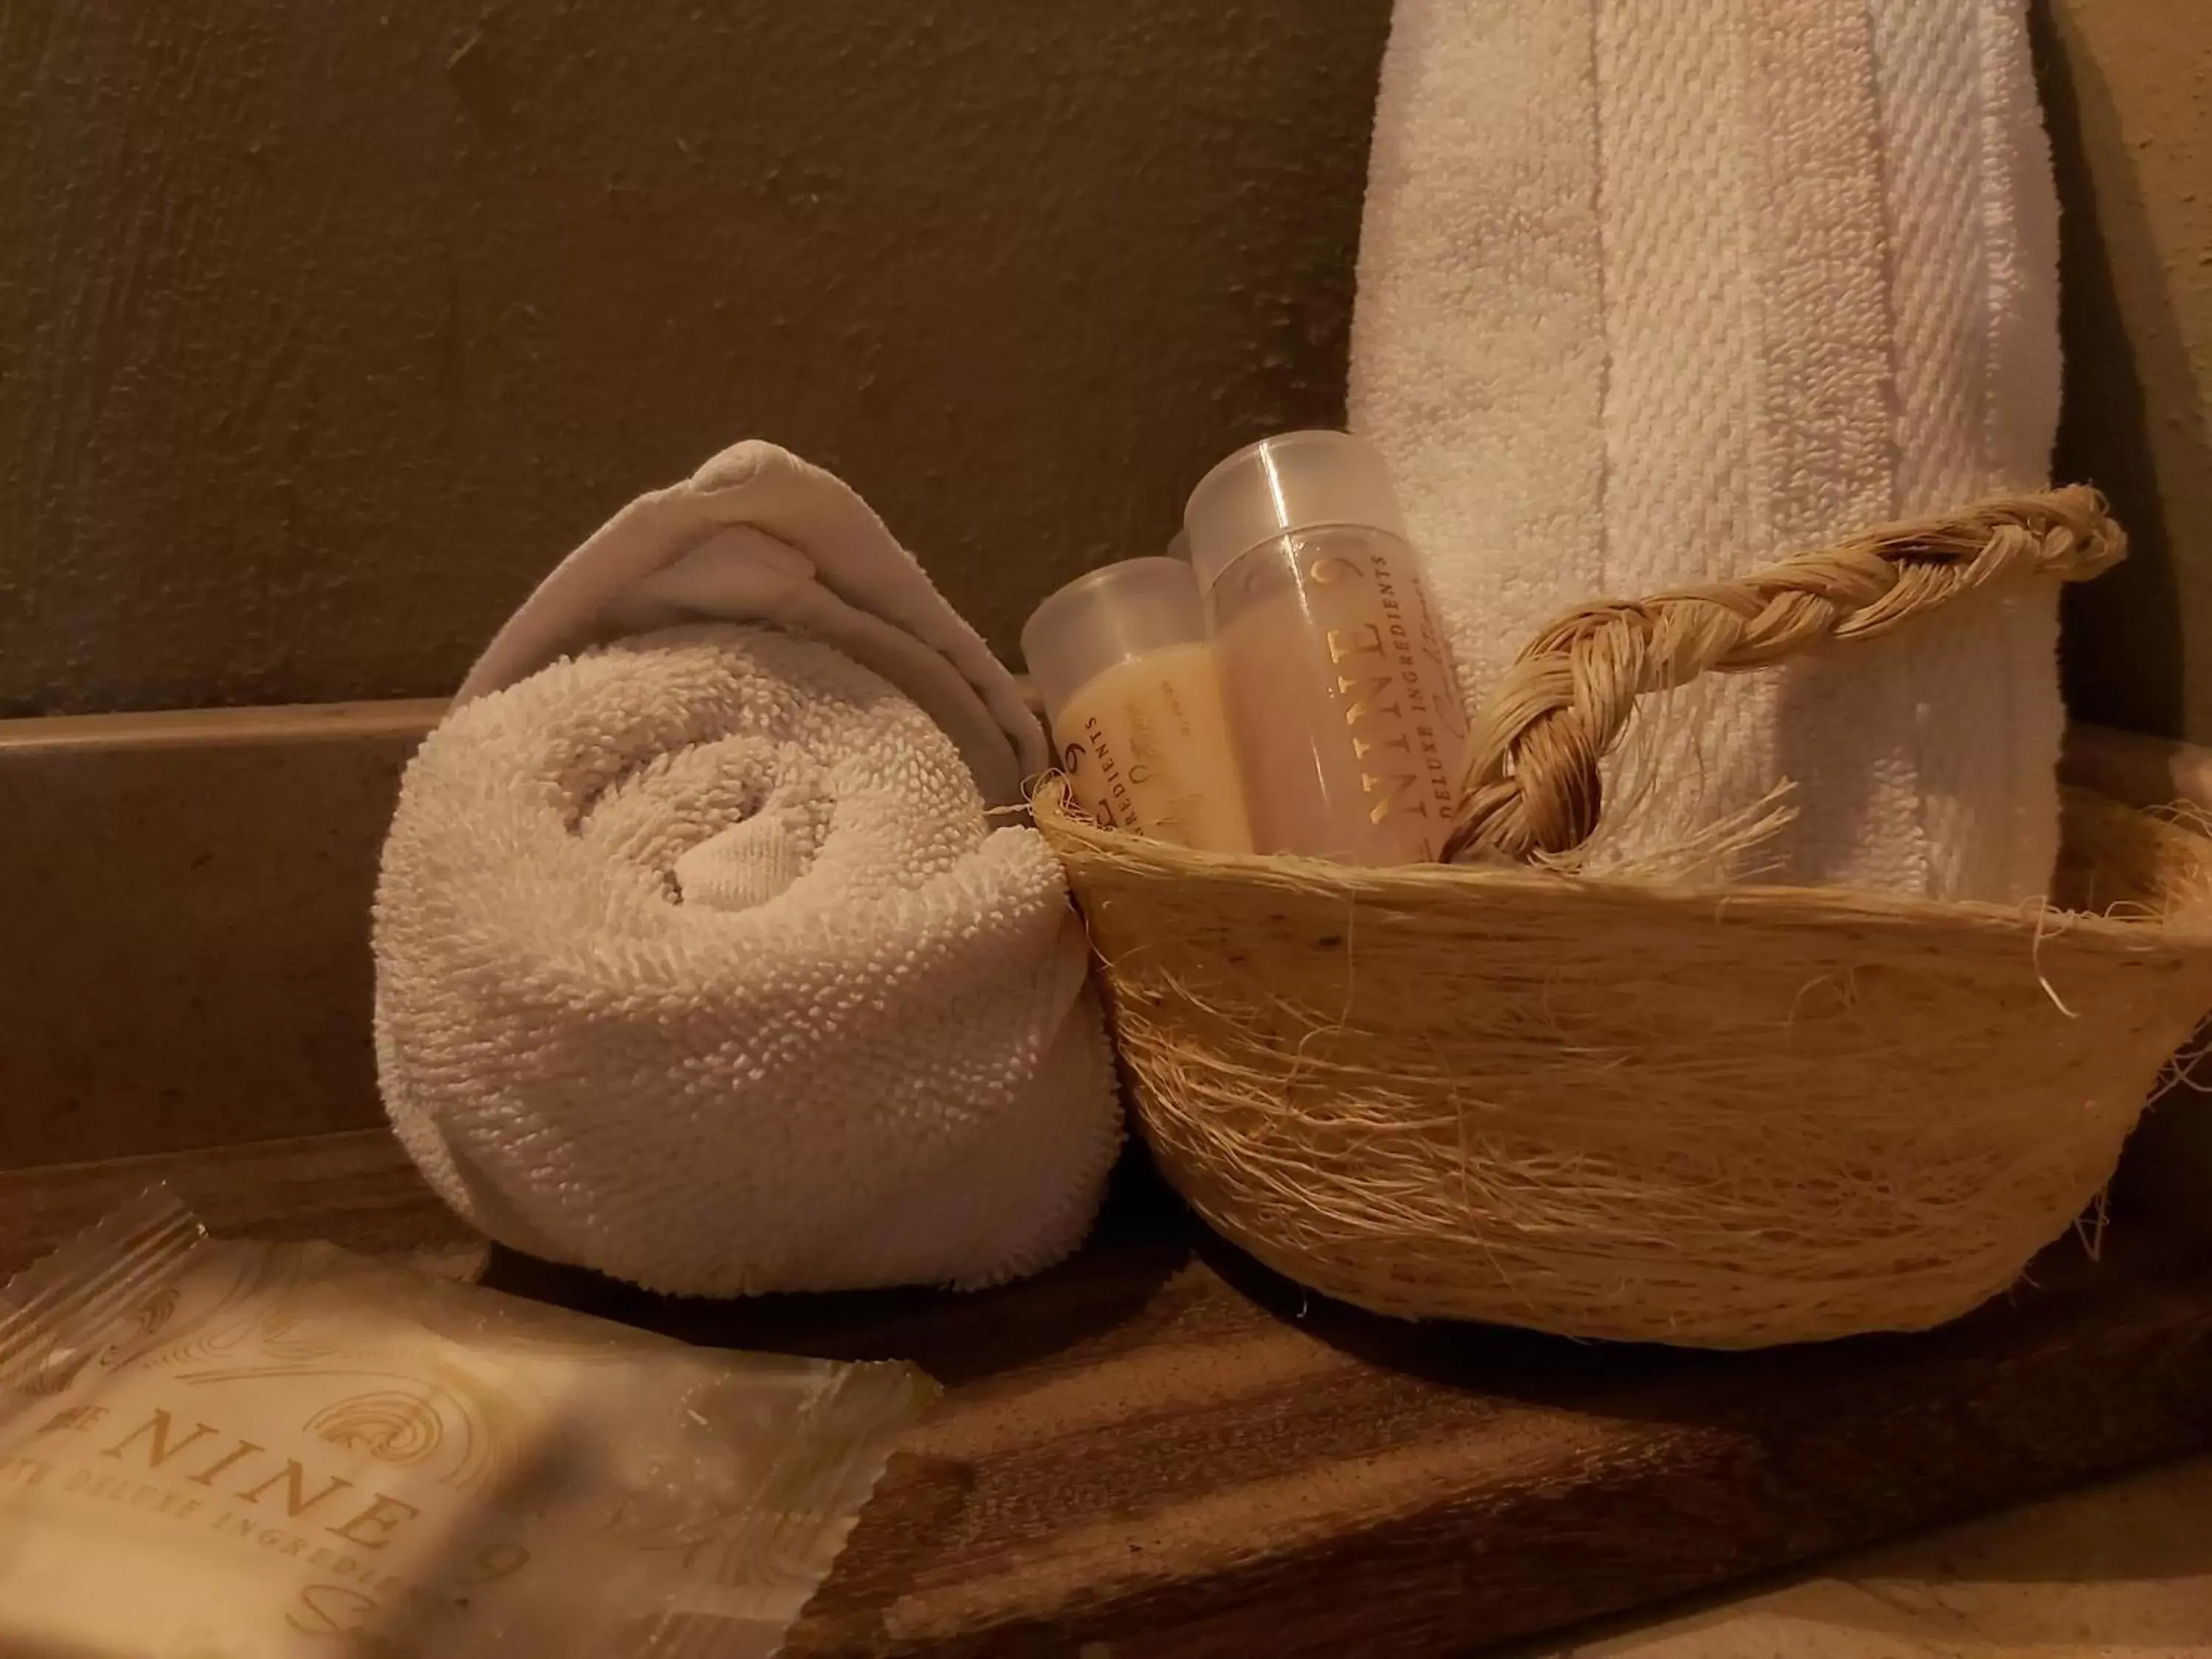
229 1450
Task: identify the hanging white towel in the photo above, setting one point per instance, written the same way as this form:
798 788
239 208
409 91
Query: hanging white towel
1654 290
699 961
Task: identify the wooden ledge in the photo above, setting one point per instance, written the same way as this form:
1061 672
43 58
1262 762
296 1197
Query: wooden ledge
1162 1449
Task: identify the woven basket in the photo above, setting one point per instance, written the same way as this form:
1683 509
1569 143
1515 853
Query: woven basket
1723 1117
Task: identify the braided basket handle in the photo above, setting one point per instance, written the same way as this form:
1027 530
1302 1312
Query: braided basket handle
1533 785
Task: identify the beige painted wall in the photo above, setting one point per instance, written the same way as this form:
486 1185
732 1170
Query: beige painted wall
324 329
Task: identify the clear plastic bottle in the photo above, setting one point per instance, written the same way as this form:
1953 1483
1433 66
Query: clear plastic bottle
1342 698
1120 658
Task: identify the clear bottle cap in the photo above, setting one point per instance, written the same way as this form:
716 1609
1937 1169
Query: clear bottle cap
1117 612
1298 481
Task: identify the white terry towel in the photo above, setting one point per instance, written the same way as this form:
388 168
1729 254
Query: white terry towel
699 962
758 535
1651 291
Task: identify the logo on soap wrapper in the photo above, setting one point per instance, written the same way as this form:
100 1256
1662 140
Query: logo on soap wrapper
285 1421
291 1448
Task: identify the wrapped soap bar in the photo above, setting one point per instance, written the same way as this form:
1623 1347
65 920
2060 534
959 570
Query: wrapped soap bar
218 1449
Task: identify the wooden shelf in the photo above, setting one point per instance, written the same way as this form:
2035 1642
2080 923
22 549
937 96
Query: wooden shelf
1164 1449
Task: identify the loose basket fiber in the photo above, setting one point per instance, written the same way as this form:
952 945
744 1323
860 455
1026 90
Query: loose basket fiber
1605 1106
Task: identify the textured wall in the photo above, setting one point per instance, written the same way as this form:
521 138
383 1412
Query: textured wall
324 329
2128 91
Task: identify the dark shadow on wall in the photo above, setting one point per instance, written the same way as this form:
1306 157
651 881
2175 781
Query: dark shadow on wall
2125 635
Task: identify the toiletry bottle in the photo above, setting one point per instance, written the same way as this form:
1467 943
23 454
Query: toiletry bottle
1342 699
1121 658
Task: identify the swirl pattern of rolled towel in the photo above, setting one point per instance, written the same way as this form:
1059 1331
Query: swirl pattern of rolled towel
699 961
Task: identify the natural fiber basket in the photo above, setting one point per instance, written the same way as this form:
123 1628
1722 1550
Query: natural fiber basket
1723 1116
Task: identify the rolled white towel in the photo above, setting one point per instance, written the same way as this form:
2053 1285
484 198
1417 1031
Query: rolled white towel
700 963
759 535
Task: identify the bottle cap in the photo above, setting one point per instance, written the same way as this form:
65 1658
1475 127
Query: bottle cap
1298 481
1117 612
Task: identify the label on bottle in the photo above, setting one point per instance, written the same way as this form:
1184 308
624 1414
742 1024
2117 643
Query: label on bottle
1342 697
1146 744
